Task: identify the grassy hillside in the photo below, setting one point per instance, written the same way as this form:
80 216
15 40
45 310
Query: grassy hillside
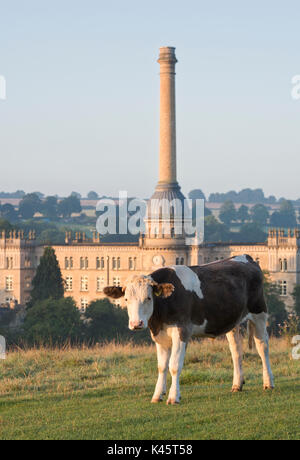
105 393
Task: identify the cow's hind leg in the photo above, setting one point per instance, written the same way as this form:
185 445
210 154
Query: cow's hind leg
176 364
261 339
236 347
163 357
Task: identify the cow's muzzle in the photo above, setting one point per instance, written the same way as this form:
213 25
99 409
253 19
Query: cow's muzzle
136 325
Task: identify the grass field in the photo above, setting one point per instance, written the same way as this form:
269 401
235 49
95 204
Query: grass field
105 393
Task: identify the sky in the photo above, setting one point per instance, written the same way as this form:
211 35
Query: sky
82 102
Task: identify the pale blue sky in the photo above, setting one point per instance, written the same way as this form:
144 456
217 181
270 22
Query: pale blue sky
82 108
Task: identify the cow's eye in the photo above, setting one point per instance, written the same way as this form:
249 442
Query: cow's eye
149 298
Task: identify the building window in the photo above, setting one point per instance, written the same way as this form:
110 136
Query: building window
69 284
283 288
84 284
182 261
177 261
9 263
100 283
9 284
116 281
84 263
116 263
68 263
132 263
27 262
84 304
285 265
28 282
100 263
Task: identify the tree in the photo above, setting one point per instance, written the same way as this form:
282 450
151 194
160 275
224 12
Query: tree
53 322
49 207
196 194
243 213
259 214
296 297
76 194
29 205
51 236
68 206
106 321
8 212
93 196
276 307
227 213
5 225
250 233
214 230
285 217
48 282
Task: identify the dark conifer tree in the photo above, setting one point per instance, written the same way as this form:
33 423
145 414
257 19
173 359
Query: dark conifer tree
48 282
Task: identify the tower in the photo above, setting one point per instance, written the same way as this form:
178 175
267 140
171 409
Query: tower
164 222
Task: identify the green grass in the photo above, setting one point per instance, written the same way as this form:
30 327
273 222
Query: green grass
105 393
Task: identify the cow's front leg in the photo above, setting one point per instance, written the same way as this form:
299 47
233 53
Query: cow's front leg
163 357
175 366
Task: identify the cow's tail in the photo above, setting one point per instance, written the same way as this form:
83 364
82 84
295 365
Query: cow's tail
250 327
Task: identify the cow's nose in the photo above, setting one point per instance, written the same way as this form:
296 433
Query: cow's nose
136 324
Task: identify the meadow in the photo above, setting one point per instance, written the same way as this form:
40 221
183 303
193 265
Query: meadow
104 393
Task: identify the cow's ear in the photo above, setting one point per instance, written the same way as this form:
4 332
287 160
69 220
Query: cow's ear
115 292
163 290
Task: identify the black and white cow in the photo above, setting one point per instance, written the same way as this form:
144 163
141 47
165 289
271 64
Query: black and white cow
179 302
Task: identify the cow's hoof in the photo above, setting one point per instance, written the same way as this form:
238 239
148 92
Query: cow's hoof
156 400
268 387
172 402
236 389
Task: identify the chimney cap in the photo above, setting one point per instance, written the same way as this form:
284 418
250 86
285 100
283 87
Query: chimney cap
167 54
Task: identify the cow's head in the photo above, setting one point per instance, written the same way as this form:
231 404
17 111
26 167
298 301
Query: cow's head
138 293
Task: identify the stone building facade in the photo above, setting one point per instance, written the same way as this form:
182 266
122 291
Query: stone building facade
89 265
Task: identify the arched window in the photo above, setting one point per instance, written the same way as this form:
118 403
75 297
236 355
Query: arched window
285 265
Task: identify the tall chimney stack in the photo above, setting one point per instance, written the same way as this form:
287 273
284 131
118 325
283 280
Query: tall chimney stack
160 226
167 161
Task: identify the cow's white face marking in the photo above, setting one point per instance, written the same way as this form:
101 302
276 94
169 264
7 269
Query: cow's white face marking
189 279
242 259
139 300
